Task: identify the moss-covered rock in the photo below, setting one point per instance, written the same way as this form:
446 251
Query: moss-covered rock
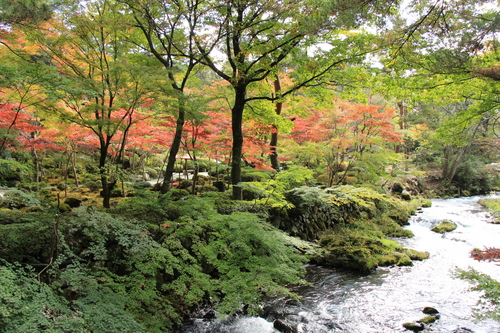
414 327
428 319
444 226
363 249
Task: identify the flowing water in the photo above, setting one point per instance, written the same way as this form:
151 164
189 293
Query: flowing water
340 301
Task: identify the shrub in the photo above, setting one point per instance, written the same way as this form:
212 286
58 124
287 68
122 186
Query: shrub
16 199
32 306
322 179
247 257
29 239
144 206
295 176
12 172
142 185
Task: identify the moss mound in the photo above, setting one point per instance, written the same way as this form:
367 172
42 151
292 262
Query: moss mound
363 246
444 226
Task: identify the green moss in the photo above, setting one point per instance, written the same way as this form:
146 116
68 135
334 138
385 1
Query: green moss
444 226
428 319
363 247
416 255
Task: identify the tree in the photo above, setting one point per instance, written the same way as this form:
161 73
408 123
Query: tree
171 41
255 38
97 82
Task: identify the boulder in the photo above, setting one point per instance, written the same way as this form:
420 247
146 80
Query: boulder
414 327
73 202
405 195
444 226
430 310
282 326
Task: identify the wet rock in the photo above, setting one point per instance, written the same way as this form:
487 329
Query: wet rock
397 188
428 319
414 327
73 202
405 195
430 310
282 326
462 330
210 314
444 226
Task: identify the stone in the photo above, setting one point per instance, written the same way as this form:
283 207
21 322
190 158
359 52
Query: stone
282 326
444 226
462 330
430 310
414 327
405 195
73 202
428 319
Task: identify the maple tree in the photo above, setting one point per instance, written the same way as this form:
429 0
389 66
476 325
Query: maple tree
97 81
343 133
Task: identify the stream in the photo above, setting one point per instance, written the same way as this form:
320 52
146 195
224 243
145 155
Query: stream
342 301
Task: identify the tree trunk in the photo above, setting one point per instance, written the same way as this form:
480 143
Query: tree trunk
107 186
174 149
274 130
237 150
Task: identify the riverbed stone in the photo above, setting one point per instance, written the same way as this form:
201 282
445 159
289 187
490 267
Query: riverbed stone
462 330
282 326
430 310
444 226
428 319
414 327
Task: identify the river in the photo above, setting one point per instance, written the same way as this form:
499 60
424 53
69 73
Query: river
341 301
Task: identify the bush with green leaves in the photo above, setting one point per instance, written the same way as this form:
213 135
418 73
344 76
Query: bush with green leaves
245 258
12 172
473 177
17 199
112 273
28 305
121 255
143 206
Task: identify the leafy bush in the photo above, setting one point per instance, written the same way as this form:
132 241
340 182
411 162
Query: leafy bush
144 207
16 199
12 172
246 258
294 176
31 306
120 255
29 240
474 177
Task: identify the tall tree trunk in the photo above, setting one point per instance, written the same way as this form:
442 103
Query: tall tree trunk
174 149
237 150
107 184
274 130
